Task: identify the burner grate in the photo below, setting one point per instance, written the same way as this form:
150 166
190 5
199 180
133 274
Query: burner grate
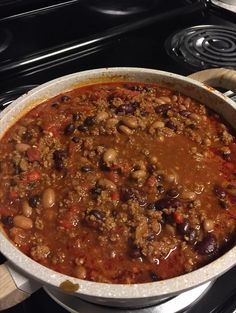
203 46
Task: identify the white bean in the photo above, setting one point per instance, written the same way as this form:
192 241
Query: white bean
165 99
26 209
111 122
22 222
208 225
158 124
109 156
22 147
48 198
101 116
139 174
106 184
126 130
188 195
130 121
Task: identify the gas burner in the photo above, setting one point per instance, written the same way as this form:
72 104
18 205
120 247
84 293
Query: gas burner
5 39
204 46
114 7
172 305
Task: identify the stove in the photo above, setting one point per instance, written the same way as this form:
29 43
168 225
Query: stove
203 46
41 40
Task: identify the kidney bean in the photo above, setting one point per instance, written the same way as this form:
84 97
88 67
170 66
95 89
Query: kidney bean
166 203
226 156
185 113
34 201
27 136
160 178
163 108
223 204
76 116
219 192
151 206
86 169
127 194
160 190
65 98
59 165
96 191
17 169
153 276
172 193
89 121
128 108
97 214
208 245
150 237
114 213
76 139
171 125
7 220
59 155
82 128
150 168
69 129
183 228
135 252
192 235
55 105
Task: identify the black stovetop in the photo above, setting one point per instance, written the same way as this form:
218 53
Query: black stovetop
42 43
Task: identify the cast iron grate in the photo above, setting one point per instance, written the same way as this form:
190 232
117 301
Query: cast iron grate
204 46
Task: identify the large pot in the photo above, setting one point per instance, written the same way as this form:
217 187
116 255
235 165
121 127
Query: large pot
19 274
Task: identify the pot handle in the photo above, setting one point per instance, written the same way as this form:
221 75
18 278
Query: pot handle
217 77
14 287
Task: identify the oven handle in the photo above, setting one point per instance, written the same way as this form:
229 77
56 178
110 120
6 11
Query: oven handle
14 287
217 77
